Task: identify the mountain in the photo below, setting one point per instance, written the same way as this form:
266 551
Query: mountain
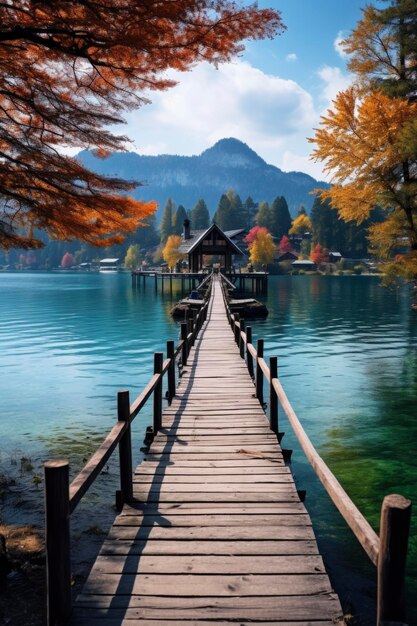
229 163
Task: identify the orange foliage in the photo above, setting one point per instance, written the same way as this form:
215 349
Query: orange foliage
171 253
319 254
68 71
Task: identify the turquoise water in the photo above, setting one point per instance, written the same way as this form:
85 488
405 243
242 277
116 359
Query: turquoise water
347 359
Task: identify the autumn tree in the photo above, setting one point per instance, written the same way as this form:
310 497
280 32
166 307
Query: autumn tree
66 261
69 69
200 217
285 245
301 225
171 252
368 140
133 257
319 254
262 248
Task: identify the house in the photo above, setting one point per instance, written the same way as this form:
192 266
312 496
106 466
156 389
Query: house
209 242
286 256
304 264
109 265
335 257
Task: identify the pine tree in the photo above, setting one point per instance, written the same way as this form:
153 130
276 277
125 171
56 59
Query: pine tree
236 217
200 217
280 217
263 216
250 209
223 215
178 221
166 227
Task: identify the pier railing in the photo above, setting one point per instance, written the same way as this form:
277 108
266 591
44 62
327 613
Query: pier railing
388 551
62 498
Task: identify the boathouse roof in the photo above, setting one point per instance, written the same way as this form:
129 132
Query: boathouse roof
193 238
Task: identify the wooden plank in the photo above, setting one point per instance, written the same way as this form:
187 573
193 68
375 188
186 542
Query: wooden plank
212 533
294 608
194 547
233 565
181 521
224 585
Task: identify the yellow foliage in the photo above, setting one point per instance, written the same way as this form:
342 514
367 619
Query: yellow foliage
262 249
171 253
302 224
359 143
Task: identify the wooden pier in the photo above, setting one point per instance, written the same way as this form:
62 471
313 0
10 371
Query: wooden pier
255 283
211 527
216 530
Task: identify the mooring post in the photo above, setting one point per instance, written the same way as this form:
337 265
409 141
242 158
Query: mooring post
259 372
241 340
393 542
249 358
184 351
57 536
273 398
125 451
157 394
171 370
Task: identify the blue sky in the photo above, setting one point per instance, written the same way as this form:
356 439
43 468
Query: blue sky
271 97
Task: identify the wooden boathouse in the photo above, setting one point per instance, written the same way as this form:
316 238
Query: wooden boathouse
211 528
196 246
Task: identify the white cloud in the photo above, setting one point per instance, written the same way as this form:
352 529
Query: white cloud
341 35
291 57
237 100
334 81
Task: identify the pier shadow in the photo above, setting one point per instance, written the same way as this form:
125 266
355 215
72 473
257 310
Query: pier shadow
152 516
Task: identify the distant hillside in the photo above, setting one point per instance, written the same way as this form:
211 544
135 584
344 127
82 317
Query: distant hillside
229 163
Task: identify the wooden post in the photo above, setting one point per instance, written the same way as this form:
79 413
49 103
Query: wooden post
393 541
157 394
249 358
241 340
273 398
156 282
125 451
236 328
259 372
184 352
58 562
171 370
192 329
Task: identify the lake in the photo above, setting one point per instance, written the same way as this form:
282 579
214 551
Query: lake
347 360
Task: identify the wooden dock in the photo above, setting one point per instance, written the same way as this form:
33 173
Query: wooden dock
216 532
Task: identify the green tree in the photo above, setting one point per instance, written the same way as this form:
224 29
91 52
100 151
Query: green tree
178 220
280 217
263 216
200 217
237 218
223 216
147 237
166 227
133 256
250 209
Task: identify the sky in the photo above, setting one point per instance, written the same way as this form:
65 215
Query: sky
271 97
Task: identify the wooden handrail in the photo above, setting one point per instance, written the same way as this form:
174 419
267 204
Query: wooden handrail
95 464
363 531
264 367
